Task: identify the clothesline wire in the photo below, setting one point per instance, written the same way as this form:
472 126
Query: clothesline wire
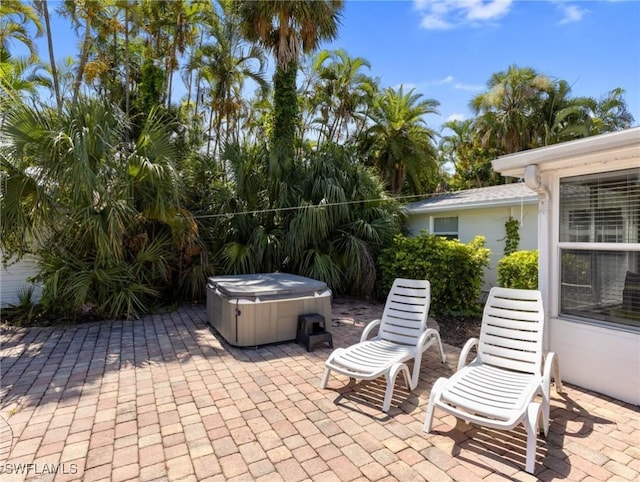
293 208
342 203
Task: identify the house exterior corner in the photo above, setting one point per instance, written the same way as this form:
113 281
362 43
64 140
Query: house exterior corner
589 247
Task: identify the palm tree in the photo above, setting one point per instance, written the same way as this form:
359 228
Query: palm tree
340 91
610 113
226 65
14 18
334 232
507 111
345 221
19 79
288 29
85 15
399 143
171 27
471 161
43 9
113 236
561 117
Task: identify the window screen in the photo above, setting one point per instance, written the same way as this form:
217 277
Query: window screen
600 208
600 247
447 227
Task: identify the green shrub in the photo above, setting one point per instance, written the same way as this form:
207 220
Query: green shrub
26 311
454 269
519 270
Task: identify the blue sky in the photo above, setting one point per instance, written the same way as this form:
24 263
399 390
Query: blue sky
448 49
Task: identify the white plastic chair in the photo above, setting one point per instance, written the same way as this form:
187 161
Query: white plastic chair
500 387
402 335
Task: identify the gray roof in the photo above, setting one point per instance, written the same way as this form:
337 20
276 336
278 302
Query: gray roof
482 197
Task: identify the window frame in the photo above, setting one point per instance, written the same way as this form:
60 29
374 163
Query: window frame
446 234
588 247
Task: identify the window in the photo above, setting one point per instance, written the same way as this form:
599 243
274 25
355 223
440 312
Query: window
600 247
446 227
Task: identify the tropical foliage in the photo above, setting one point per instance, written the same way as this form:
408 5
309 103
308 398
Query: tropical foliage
326 218
160 153
399 143
287 29
454 268
104 211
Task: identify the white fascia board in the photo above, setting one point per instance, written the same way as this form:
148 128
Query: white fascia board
604 148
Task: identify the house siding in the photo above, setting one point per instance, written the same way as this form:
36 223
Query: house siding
13 278
598 358
593 354
490 223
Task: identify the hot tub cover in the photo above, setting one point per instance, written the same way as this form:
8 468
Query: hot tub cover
266 285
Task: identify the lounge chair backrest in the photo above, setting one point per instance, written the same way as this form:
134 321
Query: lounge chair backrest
512 329
405 313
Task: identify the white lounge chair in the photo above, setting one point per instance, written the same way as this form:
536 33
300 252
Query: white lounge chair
500 387
402 335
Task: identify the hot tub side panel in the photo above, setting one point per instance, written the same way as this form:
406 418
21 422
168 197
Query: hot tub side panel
218 312
261 322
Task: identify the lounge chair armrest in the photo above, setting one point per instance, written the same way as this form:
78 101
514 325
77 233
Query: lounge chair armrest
462 360
423 341
552 368
368 329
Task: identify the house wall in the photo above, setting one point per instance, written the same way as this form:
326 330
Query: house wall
593 354
13 278
487 222
597 356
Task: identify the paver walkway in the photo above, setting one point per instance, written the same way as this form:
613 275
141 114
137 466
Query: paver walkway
164 398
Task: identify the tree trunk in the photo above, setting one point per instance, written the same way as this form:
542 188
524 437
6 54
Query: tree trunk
285 105
127 81
84 55
52 59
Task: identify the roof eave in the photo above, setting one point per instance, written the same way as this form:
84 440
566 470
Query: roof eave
475 205
620 145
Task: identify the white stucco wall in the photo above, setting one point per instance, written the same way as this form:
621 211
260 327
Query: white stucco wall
13 278
593 354
487 222
598 356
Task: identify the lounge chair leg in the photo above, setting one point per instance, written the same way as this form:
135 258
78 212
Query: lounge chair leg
433 397
551 368
386 405
556 374
531 423
391 381
443 358
325 377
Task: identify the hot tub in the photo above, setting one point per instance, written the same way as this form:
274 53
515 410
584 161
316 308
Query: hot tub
256 309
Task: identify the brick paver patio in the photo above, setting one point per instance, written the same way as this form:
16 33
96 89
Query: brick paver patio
165 399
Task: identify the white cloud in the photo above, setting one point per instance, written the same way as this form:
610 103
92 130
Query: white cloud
433 22
447 14
447 80
495 9
572 13
469 87
456 117
406 86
